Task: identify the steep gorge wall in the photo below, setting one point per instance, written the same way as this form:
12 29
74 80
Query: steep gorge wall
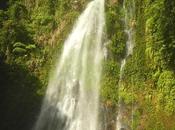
33 31
149 79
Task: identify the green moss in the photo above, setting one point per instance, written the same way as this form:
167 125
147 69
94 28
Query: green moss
148 80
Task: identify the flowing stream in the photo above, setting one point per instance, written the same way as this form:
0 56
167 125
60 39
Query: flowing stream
129 9
72 98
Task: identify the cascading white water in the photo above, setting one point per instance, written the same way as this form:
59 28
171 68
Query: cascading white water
71 101
129 8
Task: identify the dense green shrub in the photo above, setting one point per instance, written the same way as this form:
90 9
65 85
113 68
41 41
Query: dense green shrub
26 55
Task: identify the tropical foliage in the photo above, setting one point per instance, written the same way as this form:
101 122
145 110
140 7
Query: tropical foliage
31 36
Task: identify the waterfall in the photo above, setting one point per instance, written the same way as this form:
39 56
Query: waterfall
129 8
72 97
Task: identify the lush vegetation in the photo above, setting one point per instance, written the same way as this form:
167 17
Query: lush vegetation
33 31
149 79
31 35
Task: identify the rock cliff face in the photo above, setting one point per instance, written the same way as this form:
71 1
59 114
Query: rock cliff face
149 68
32 33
